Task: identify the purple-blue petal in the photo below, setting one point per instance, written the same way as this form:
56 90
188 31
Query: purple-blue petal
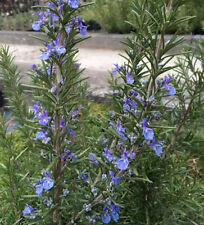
48 183
74 3
129 78
115 216
45 55
60 50
28 210
83 30
158 149
105 218
171 91
123 163
68 29
36 25
39 189
148 133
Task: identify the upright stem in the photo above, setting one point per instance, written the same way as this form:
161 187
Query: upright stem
13 190
58 167
57 189
157 53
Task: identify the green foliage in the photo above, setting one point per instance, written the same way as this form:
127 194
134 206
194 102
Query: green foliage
13 161
150 169
166 190
17 22
113 14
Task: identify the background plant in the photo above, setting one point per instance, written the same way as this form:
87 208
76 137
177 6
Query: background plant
112 14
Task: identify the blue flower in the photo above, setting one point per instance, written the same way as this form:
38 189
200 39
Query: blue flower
171 90
33 67
38 187
28 210
36 25
133 156
60 50
115 216
45 55
120 130
44 184
134 93
68 29
73 3
115 180
147 132
105 218
92 159
48 183
81 27
126 105
83 30
114 207
116 69
43 118
108 154
62 123
157 147
42 135
133 103
83 176
123 163
35 108
129 78
72 132
61 80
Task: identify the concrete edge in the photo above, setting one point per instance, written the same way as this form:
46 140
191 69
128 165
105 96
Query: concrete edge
97 40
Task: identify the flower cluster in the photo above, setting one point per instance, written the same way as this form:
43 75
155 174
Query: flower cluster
44 16
113 212
133 104
44 184
28 210
53 47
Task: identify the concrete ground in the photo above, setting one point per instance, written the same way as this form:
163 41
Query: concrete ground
98 63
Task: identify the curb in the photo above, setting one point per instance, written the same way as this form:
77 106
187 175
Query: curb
97 40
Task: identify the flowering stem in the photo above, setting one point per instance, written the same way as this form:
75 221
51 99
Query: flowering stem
57 189
157 53
58 168
95 202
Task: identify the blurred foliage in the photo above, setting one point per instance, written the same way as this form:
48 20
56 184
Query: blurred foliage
17 22
113 14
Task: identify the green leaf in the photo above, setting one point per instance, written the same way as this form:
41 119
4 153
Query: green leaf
34 87
20 154
58 75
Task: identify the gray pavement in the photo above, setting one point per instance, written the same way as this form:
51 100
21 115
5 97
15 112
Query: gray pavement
97 55
97 64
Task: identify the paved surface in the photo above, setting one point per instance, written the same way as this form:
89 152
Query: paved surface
98 63
98 40
97 54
